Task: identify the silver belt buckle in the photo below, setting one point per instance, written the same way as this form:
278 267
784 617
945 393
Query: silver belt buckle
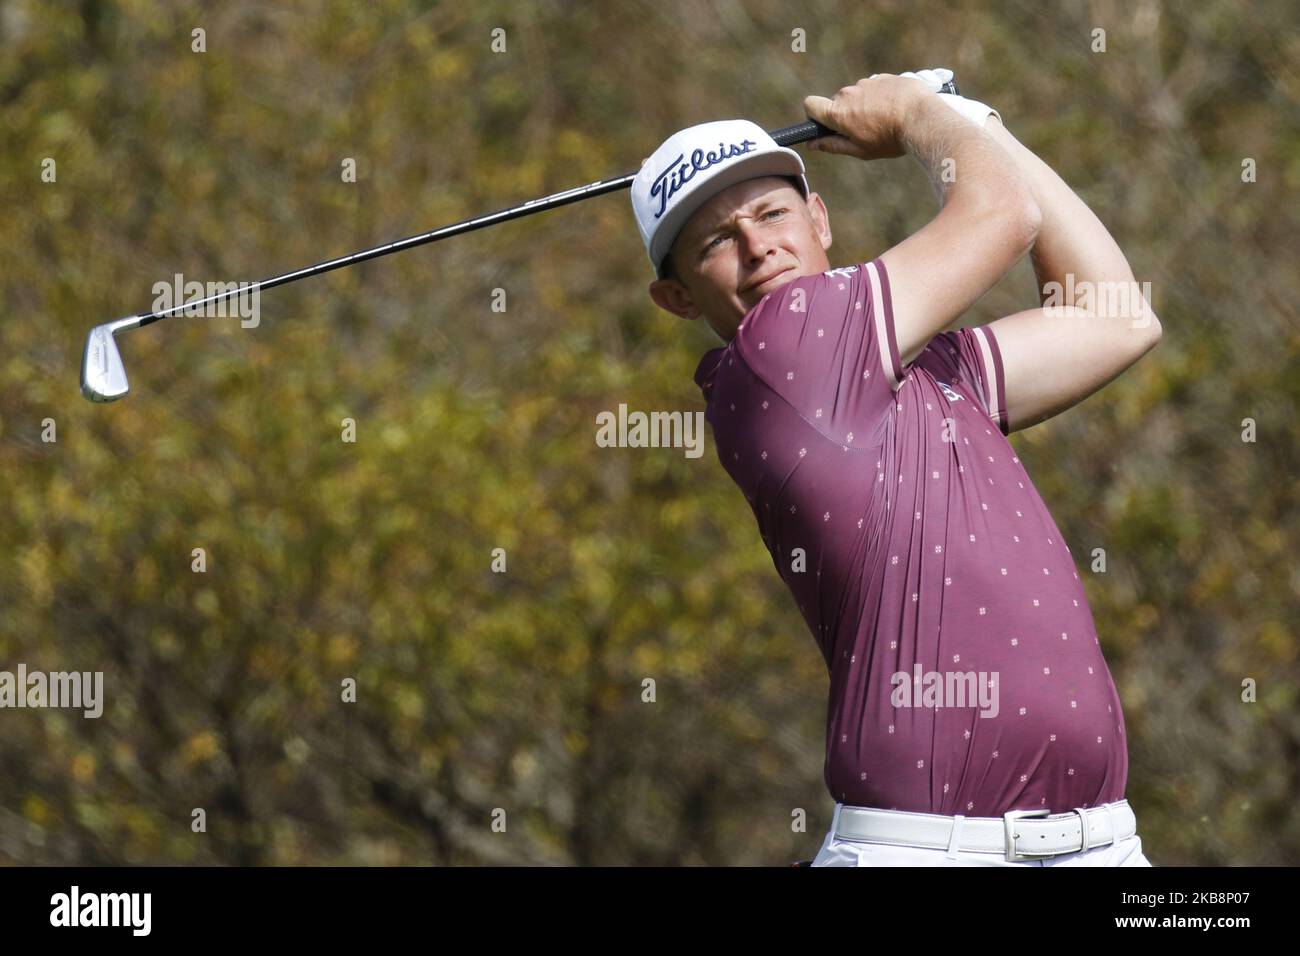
1008 821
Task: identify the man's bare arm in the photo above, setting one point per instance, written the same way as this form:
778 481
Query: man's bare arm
1055 356
988 219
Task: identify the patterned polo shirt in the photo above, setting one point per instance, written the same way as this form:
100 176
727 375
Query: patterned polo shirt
920 555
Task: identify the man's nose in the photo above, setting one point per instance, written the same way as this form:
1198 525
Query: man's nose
755 243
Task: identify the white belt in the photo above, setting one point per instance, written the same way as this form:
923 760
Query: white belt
1017 834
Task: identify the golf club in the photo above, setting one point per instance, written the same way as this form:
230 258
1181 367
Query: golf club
103 376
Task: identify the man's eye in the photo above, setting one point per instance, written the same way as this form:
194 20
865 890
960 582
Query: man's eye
770 212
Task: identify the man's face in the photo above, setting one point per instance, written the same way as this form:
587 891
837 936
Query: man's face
747 240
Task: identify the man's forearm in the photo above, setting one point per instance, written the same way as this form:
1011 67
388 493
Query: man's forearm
1071 241
962 160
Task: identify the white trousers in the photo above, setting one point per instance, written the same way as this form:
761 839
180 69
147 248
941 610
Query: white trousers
840 852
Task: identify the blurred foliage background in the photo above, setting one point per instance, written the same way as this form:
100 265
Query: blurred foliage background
475 429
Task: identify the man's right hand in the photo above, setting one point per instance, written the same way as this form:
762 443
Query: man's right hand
868 117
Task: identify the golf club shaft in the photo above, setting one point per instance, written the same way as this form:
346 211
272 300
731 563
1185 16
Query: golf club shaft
455 229
785 136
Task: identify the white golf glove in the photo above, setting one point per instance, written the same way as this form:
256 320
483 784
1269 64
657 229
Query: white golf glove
975 111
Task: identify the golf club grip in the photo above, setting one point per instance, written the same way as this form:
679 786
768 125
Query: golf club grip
811 129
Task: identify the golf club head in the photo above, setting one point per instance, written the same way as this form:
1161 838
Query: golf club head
103 376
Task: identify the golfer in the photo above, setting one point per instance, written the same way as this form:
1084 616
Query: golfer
972 719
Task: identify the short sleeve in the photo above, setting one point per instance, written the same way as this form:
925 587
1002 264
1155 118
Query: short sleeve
970 356
826 344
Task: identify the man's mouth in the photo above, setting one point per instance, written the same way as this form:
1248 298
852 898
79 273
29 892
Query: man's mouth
754 286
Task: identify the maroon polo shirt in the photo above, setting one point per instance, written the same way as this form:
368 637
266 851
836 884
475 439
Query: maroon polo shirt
925 543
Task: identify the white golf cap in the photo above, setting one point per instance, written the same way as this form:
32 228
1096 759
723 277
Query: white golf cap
694 165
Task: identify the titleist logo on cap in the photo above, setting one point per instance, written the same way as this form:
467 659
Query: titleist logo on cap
679 173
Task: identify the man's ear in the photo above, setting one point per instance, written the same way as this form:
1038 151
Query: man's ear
671 296
821 219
